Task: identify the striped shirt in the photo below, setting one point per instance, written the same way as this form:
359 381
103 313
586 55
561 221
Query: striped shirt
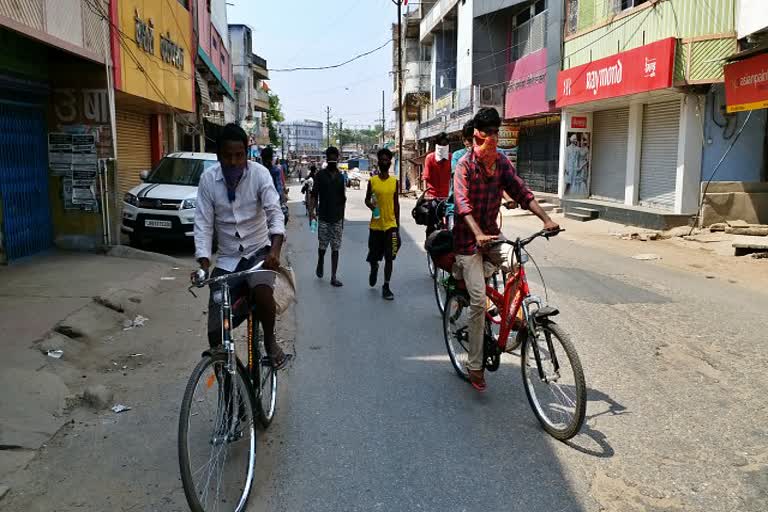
243 226
480 196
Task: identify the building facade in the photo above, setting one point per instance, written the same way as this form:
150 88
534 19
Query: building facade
302 139
631 131
250 73
55 114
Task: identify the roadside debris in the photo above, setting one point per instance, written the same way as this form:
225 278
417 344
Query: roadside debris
646 257
98 396
118 408
167 278
139 321
56 354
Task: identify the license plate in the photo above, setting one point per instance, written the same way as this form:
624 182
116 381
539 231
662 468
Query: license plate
150 223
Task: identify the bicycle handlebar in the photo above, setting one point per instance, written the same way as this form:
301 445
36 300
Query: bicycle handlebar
525 241
201 280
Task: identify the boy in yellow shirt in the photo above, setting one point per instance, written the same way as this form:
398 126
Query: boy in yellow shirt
384 237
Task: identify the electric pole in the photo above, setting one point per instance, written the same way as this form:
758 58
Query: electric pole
341 136
328 125
382 120
400 90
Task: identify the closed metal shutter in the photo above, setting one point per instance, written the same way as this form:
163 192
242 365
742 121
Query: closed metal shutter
658 155
609 154
134 149
537 157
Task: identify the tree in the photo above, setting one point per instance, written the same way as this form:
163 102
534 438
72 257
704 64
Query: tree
274 116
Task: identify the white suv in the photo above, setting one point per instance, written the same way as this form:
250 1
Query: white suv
163 207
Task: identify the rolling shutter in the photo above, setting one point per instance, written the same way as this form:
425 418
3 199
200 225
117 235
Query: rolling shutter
609 154
134 149
658 155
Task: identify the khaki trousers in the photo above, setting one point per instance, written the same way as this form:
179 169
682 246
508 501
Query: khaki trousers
475 269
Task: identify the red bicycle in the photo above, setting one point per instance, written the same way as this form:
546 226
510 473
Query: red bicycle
552 374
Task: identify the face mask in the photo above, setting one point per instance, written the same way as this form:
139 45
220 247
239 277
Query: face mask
485 149
441 152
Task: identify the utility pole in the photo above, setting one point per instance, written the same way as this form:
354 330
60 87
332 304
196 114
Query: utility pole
341 136
382 120
400 90
328 125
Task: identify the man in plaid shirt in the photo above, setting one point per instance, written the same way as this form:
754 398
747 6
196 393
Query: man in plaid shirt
480 179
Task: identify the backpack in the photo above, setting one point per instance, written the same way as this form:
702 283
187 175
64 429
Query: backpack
421 212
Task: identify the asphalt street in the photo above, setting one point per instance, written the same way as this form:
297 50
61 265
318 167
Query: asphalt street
372 417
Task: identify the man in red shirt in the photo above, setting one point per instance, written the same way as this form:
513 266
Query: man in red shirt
437 178
478 183
437 169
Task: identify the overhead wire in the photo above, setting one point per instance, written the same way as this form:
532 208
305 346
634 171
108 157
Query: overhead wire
332 66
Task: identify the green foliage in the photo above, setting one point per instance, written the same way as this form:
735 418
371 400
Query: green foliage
274 116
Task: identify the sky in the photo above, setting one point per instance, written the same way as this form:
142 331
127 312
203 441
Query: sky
295 33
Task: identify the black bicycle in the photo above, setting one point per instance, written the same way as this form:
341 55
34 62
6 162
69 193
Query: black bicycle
223 400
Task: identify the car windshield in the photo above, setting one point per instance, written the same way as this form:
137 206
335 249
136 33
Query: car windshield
179 171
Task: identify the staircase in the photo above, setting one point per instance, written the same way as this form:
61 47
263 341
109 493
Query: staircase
581 214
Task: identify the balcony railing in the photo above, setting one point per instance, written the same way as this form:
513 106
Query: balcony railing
530 36
258 61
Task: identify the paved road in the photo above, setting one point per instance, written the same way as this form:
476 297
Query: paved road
372 417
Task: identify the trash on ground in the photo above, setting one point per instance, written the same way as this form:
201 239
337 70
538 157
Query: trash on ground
646 257
167 278
139 354
118 408
175 268
139 321
56 354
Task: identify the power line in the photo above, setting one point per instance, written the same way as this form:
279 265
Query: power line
333 66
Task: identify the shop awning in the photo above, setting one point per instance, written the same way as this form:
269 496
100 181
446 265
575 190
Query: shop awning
202 86
214 70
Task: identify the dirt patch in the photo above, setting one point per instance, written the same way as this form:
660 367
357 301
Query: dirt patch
615 494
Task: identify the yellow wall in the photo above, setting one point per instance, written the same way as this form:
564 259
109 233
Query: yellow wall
176 85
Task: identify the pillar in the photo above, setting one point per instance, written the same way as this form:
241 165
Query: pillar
634 146
689 155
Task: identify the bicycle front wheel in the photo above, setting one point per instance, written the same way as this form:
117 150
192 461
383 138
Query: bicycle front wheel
217 437
555 384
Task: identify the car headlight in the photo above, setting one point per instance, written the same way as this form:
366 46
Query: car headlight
131 199
189 204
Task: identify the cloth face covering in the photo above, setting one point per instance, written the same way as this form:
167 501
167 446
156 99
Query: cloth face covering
485 148
441 152
232 177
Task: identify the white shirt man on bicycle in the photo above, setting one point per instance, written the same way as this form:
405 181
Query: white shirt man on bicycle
238 204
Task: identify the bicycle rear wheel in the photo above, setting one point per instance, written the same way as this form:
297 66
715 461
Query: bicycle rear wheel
217 437
431 265
440 281
264 379
456 332
559 400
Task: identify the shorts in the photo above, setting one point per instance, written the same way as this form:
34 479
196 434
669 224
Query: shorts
329 233
383 244
238 294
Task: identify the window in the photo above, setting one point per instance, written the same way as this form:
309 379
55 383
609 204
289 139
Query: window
628 4
540 6
184 3
523 17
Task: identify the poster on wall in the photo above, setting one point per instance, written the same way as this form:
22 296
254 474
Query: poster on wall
509 134
60 154
577 164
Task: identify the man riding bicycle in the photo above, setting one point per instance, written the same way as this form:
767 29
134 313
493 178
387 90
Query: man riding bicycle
480 180
238 204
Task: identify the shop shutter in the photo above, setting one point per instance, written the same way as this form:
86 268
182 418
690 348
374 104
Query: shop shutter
537 157
609 154
134 149
658 155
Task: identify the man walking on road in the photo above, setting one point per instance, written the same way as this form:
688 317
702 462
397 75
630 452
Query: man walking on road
384 237
479 181
237 202
329 198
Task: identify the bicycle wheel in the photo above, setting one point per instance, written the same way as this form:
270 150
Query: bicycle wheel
217 437
440 281
456 332
430 265
559 399
265 379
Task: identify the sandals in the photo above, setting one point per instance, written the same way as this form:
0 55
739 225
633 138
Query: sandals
477 379
280 360
335 282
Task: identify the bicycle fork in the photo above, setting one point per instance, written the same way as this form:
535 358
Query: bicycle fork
530 321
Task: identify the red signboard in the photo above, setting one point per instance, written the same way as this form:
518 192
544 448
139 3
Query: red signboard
643 69
578 122
746 84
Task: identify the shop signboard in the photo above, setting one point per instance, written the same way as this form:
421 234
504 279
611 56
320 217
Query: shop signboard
746 84
643 69
527 86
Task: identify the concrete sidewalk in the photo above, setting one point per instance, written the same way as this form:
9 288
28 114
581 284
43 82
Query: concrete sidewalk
72 302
